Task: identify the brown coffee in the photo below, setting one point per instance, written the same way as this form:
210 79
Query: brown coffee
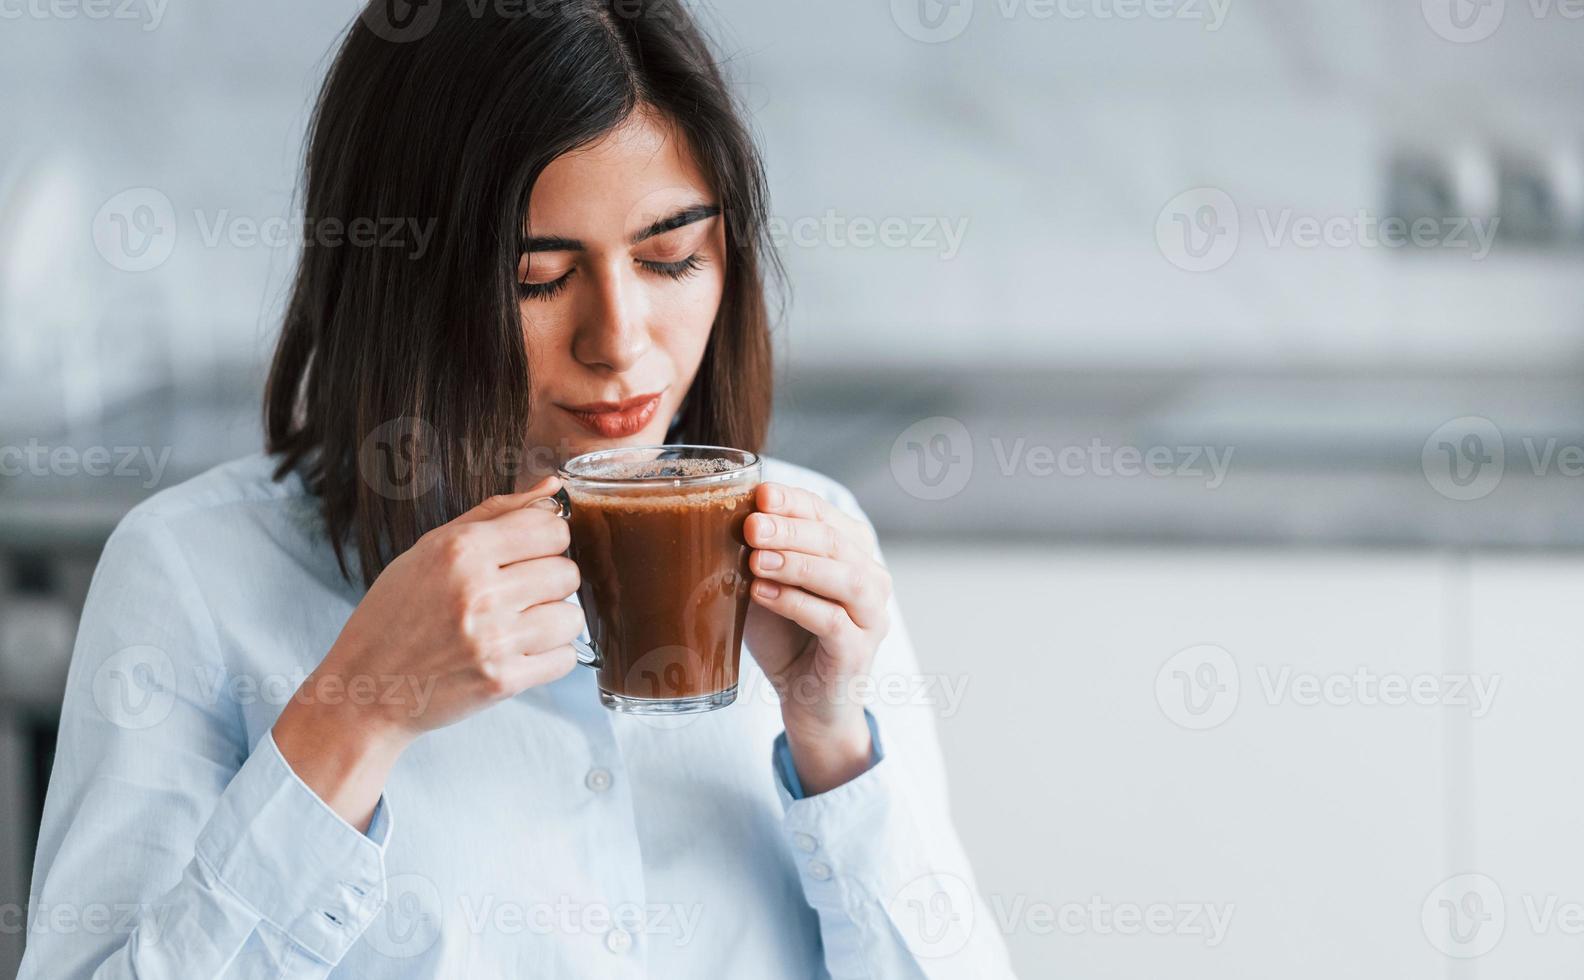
665 587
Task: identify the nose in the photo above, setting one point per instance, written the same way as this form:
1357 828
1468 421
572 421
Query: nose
614 334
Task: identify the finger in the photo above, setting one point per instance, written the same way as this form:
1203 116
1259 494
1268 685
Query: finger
534 669
798 534
492 507
543 627
778 498
522 534
862 588
822 617
524 584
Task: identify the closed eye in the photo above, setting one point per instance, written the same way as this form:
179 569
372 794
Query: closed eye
544 290
673 270
676 270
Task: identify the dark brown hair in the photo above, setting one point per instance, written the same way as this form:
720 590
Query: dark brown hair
445 121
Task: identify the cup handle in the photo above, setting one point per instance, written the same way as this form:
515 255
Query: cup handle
586 654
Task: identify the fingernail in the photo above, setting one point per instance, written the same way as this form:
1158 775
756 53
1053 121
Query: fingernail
773 497
765 525
767 590
771 560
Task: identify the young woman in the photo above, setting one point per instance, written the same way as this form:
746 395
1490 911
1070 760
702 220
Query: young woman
323 717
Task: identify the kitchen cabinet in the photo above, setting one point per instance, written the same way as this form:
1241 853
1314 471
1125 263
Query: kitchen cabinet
1522 795
1319 814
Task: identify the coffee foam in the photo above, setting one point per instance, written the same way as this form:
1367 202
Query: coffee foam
653 499
647 469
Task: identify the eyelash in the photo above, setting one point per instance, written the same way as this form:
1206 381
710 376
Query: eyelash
671 270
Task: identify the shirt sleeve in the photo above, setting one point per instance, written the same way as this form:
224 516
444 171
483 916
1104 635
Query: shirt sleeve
170 847
878 857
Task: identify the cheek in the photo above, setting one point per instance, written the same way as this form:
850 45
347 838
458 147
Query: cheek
686 311
547 341
533 330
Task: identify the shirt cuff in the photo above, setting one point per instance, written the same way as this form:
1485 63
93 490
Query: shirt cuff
843 839
791 788
303 868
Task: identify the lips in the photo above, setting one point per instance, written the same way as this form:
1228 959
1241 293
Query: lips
614 420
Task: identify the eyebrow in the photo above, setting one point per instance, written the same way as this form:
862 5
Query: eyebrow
679 219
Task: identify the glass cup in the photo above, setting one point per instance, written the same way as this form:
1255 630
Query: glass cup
657 534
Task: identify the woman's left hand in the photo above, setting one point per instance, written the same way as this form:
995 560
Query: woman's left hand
817 618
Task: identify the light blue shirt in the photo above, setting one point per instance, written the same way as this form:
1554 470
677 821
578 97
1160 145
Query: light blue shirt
542 837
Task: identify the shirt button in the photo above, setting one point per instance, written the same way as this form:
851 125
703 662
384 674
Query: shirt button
819 870
598 780
618 940
805 843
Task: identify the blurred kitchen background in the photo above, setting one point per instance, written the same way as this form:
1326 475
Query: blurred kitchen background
1211 369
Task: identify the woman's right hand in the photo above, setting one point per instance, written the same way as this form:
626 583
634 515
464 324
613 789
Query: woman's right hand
472 614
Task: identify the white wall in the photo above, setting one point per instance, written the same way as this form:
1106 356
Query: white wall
1326 826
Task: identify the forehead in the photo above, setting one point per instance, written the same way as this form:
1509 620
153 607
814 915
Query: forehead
637 173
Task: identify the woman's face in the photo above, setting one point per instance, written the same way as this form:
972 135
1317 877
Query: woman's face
618 290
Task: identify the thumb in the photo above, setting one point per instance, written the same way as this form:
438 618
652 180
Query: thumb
493 507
